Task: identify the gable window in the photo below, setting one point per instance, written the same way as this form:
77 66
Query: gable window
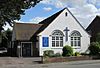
66 14
57 38
75 39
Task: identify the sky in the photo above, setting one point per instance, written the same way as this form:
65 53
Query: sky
84 10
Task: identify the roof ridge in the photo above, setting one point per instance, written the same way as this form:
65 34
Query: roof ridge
29 23
47 21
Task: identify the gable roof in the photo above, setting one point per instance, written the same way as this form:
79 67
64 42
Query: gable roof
95 24
94 28
49 20
23 31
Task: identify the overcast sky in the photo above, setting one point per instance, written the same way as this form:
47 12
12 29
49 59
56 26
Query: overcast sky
84 10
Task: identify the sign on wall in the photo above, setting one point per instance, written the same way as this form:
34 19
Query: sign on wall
45 41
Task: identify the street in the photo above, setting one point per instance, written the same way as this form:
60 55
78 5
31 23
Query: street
73 64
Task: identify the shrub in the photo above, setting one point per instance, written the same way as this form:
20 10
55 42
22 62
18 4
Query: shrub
67 51
77 54
57 55
94 48
48 53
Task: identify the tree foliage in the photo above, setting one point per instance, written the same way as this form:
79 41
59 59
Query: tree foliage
98 37
6 38
94 48
11 10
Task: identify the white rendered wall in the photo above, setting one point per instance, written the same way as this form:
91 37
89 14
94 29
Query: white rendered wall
60 23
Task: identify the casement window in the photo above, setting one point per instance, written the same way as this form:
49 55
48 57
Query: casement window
57 38
75 39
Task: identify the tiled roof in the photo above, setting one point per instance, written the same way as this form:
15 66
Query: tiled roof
24 31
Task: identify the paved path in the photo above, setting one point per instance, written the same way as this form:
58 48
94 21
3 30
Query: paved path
72 64
16 60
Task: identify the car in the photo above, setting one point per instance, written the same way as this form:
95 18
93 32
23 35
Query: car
3 50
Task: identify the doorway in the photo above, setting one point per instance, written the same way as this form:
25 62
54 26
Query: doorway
26 49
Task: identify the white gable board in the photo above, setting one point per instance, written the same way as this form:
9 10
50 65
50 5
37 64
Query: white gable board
60 23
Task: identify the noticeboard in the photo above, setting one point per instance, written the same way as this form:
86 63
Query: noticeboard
45 41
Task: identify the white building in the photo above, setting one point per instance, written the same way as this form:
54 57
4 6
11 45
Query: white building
52 33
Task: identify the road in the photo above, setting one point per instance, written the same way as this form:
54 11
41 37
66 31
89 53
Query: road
73 64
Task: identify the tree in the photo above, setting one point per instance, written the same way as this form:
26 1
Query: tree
6 39
98 37
11 10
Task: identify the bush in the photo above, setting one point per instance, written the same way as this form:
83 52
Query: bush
67 51
48 53
77 54
94 48
57 55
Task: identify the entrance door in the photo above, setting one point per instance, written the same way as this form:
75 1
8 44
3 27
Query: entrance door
26 49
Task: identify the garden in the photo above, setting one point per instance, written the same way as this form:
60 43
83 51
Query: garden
68 54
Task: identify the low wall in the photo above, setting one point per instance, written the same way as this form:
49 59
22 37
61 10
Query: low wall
65 59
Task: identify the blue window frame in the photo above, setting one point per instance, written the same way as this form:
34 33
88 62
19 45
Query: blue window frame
45 42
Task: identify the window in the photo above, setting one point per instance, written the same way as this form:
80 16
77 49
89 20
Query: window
75 39
66 14
57 38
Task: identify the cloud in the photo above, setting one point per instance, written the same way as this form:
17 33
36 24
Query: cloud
59 4
83 10
47 8
37 19
46 2
89 8
7 26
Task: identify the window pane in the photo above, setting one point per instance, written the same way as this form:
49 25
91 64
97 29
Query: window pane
71 38
78 38
75 43
79 43
57 38
61 38
53 43
57 43
75 38
61 43
71 43
53 38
